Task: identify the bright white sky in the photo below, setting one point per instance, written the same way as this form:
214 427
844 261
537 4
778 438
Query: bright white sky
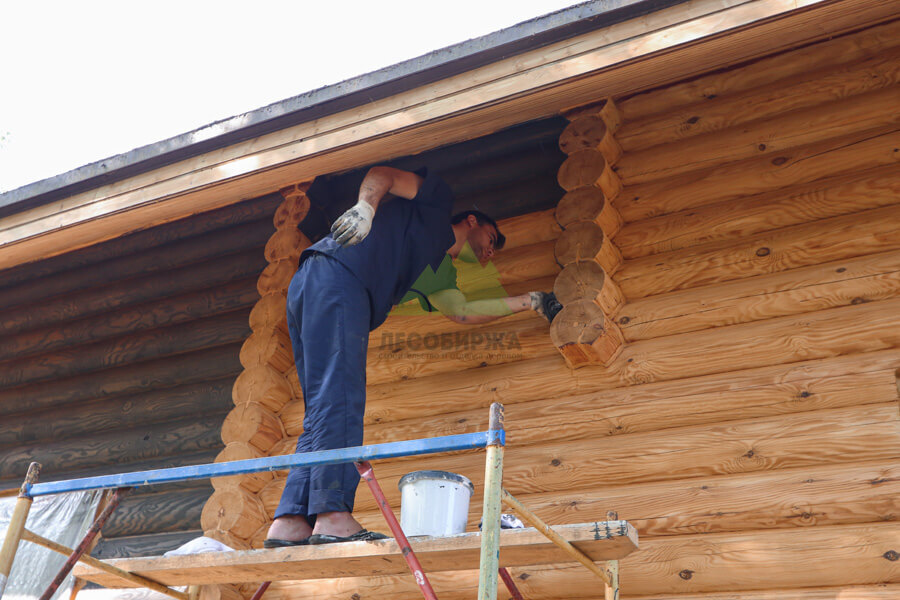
85 80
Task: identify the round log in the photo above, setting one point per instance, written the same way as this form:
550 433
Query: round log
293 210
589 204
606 109
586 280
256 540
590 133
276 277
270 346
286 243
292 417
585 241
585 335
234 510
220 592
294 383
263 385
589 167
270 495
227 538
253 424
269 311
252 482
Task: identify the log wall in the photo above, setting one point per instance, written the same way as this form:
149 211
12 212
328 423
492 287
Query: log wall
122 357
748 425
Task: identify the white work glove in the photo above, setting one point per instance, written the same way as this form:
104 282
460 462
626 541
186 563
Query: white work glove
353 226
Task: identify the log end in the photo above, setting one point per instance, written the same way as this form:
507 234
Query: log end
585 335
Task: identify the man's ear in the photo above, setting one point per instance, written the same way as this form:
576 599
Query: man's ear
472 221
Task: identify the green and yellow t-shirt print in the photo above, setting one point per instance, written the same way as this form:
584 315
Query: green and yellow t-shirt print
465 274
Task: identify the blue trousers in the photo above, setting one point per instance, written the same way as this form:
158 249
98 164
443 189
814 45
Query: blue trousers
328 319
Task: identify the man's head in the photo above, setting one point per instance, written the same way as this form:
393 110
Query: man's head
480 231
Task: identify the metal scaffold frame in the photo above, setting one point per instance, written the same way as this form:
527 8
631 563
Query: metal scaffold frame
495 496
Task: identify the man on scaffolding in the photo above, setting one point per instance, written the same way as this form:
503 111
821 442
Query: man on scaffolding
347 283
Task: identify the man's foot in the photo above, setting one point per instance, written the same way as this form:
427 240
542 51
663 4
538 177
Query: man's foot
340 524
360 536
289 530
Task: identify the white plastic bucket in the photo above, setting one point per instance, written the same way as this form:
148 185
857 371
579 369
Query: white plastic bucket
434 503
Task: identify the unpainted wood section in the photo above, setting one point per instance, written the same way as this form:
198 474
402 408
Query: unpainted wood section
585 240
589 168
586 280
799 92
263 385
268 346
588 204
784 499
600 541
585 335
590 133
836 238
219 184
251 482
765 174
768 137
841 283
253 424
528 229
233 510
790 65
679 568
742 217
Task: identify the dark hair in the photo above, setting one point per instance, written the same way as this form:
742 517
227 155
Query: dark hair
482 220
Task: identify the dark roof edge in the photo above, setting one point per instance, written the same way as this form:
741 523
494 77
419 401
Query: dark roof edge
436 65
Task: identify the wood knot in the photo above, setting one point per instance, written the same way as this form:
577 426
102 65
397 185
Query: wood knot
355 597
686 574
763 251
891 555
805 394
524 576
779 160
840 270
555 462
857 300
762 147
693 120
463 420
750 454
624 320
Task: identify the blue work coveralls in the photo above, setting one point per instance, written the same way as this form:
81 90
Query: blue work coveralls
335 298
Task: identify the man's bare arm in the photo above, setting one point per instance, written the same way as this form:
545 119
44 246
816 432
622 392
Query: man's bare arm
354 225
453 305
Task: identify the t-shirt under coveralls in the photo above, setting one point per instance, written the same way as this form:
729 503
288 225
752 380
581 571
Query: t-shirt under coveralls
336 297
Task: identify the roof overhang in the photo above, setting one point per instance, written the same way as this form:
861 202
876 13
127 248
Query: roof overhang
623 58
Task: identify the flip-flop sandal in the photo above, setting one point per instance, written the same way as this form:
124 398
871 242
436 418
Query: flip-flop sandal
360 536
276 543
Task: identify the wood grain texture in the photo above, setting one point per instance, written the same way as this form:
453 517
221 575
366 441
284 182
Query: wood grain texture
263 385
160 512
268 346
586 240
204 365
584 334
837 238
253 424
824 198
530 228
251 482
765 174
878 591
825 334
586 168
234 510
269 311
589 204
839 283
143 545
801 92
795 63
522 546
808 497
586 280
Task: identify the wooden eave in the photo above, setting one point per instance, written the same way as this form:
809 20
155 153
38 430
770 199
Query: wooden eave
647 52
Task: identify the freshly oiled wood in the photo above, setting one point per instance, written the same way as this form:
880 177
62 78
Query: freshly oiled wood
606 109
802 91
143 545
436 324
286 244
839 283
254 424
586 240
524 263
168 311
837 238
783 499
205 365
655 407
263 385
269 311
821 199
589 204
493 103
789 65
530 228
769 136
833 436
295 206
678 568
600 541
423 356
100 415
153 441
158 512
145 345
276 276
589 168
268 346
180 254
252 482
796 166
590 133
585 335
234 510
116 296
586 280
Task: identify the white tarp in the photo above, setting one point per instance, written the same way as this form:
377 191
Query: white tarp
63 518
